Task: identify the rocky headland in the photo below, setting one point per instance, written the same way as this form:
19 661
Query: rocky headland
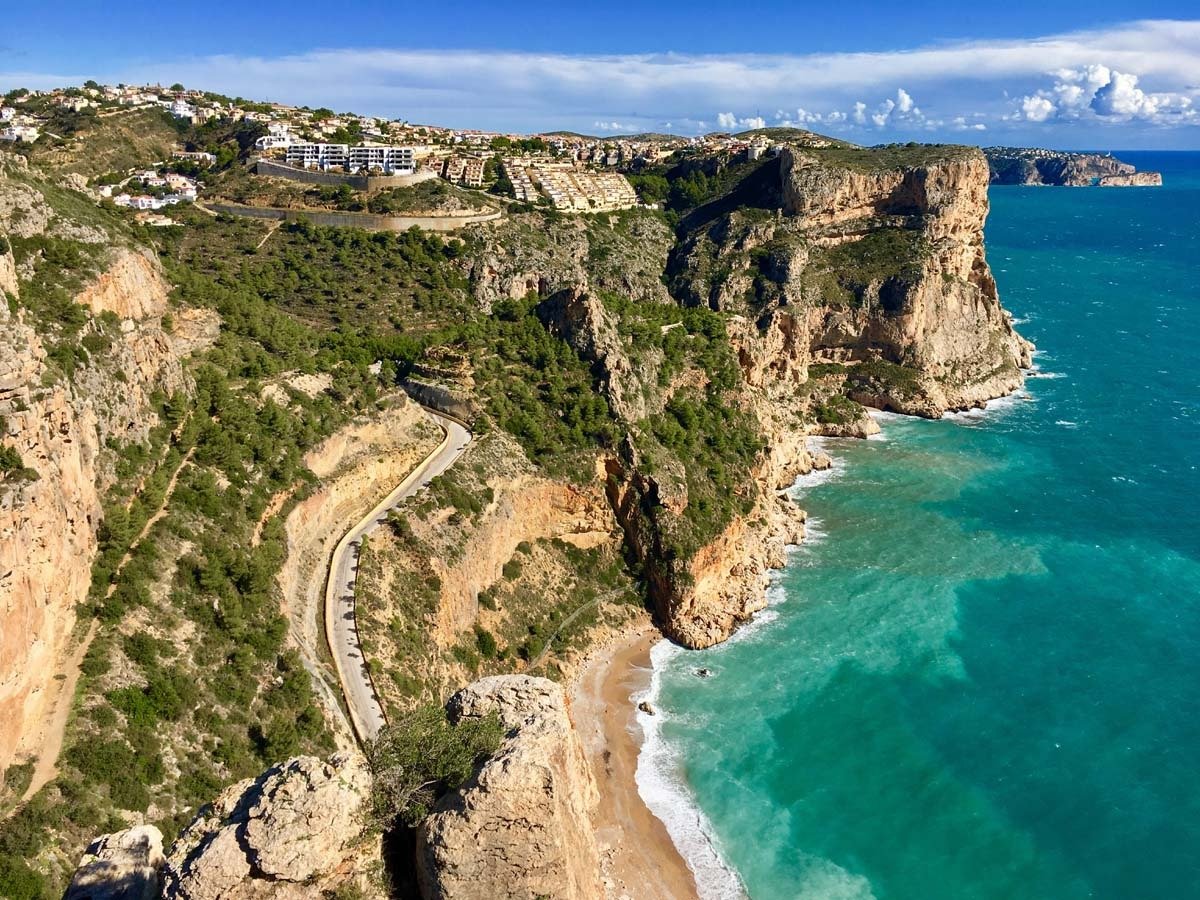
646 383
1023 165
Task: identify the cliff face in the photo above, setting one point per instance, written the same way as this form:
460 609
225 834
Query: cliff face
294 832
871 275
521 828
59 427
1135 179
1014 165
941 315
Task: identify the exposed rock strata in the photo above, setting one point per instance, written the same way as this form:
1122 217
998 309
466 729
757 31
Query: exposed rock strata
512 259
521 828
938 321
1135 179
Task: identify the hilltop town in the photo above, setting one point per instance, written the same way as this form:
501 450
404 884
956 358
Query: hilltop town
569 172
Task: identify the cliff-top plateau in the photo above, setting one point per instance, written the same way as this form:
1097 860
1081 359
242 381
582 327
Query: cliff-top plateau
193 412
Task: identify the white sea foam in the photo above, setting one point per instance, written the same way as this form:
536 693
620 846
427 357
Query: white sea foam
667 795
814 533
1038 373
817 476
991 409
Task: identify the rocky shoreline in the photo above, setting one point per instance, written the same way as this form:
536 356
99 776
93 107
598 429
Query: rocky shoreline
850 282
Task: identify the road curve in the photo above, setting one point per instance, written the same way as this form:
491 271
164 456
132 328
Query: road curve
341 631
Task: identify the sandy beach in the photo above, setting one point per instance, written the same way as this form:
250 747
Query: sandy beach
638 859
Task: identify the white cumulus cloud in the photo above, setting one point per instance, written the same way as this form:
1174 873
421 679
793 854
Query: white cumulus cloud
727 121
1134 74
1037 109
1098 92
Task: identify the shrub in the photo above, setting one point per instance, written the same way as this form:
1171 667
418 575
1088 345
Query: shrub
10 460
421 756
486 642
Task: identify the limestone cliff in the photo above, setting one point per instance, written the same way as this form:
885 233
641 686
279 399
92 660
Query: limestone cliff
126 865
1023 165
60 426
845 273
296 831
1133 179
520 829
520 256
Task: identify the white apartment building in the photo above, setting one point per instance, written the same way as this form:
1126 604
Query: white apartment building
277 137
377 157
318 156
359 158
19 133
7 113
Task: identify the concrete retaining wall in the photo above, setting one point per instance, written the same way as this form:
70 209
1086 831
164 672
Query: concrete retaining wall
368 183
354 220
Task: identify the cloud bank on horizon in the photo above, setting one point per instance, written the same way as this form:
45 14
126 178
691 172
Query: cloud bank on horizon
1134 84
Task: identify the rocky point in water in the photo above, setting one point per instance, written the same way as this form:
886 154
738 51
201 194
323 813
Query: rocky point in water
1027 165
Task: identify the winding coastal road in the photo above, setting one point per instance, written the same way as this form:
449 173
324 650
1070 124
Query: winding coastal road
341 630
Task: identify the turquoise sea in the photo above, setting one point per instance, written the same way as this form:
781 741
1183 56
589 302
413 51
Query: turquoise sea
981 679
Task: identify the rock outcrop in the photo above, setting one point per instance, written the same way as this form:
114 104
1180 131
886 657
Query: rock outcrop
520 829
512 258
1135 179
8 272
583 322
121 866
293 832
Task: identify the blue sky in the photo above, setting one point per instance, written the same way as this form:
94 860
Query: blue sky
1063 74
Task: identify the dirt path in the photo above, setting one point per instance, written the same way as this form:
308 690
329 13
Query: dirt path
45 767
271 229
575 614
151 522
276 504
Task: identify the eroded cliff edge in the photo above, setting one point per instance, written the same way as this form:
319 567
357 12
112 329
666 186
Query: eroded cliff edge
849 277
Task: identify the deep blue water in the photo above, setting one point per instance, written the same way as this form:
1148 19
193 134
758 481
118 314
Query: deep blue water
981 680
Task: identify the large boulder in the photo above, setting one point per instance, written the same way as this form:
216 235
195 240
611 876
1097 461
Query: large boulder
292 832
521 828
120 866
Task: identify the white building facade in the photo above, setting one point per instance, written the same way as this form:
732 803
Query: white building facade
359 158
